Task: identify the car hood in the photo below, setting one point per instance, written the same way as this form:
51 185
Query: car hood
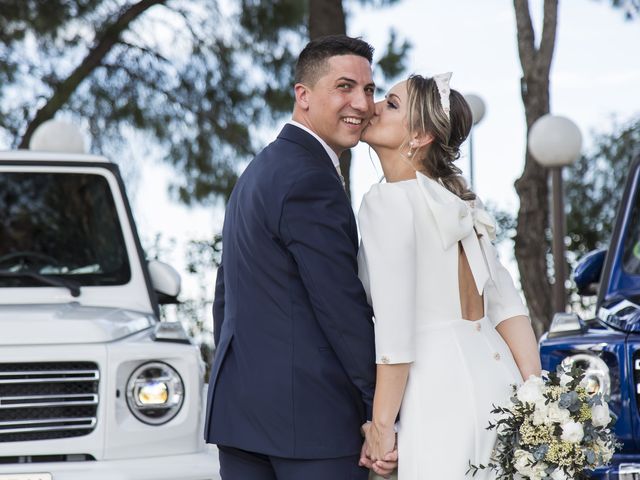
68 323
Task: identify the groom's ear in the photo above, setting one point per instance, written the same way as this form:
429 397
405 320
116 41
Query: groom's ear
302 95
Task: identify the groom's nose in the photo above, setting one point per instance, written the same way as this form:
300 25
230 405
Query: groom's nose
362 102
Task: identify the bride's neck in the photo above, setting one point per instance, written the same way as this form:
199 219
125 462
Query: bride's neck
396 169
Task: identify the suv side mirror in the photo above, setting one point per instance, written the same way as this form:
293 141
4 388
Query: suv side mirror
165 280
587 273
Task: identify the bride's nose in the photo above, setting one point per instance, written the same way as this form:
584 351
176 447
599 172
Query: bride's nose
377 108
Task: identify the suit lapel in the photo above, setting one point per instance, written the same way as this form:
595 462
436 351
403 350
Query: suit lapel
296 135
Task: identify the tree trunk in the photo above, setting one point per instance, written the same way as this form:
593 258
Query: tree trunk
105 41
531 244
326 17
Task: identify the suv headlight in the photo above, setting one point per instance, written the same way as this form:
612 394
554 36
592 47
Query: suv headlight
155 393
596 375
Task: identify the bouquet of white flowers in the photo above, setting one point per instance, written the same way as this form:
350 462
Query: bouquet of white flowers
552 429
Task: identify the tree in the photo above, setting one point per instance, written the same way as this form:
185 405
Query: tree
164 68
533 215
187 75
631 8
594 186
532 231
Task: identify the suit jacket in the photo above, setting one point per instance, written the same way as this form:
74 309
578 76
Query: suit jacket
294 369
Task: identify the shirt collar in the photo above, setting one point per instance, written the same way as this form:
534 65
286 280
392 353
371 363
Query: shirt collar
332 155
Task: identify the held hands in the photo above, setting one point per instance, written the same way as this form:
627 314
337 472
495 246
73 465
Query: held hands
379 451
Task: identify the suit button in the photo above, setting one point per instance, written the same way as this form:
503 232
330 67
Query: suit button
385 359
478 327
496 356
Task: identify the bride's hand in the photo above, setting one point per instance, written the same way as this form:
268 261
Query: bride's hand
385 467
380 441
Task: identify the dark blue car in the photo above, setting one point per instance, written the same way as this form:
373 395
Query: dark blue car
608 346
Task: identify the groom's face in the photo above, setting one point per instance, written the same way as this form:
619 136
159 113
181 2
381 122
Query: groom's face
340 103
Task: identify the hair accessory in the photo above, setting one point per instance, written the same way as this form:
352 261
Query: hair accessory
442 82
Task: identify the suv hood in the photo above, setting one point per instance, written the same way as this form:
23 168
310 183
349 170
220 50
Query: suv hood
68 323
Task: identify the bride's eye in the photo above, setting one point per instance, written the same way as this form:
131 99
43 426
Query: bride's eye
392 105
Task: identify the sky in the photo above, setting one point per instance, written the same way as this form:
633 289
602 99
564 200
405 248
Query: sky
595 79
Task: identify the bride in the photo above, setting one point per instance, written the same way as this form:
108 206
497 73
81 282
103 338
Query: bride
451 331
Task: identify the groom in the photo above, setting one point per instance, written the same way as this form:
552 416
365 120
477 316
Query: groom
294 371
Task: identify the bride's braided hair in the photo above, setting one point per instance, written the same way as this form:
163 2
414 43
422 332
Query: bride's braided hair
426 115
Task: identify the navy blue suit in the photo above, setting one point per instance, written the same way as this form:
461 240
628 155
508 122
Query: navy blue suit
294 370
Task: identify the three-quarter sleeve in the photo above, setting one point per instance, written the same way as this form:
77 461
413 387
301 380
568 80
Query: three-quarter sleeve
389 250
503 299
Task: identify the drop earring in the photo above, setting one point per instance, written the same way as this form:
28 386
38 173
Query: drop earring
411 145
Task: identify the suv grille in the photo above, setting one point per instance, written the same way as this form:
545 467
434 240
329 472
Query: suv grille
47 400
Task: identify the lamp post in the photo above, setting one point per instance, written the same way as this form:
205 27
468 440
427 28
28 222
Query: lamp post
478 110
555 142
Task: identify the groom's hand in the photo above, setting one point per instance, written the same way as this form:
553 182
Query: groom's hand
365 461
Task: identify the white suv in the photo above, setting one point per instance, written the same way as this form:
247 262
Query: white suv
92 384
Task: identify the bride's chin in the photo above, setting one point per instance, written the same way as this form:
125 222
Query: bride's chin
366 138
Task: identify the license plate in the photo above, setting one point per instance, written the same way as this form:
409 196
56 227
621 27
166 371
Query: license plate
26 476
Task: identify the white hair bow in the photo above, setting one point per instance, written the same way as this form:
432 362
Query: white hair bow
442 82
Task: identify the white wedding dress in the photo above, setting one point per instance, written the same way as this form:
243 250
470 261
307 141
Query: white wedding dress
408 263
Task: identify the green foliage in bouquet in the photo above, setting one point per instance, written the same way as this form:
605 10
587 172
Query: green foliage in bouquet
551 429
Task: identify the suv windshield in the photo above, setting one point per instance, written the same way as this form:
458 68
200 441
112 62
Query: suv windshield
631 249
59 225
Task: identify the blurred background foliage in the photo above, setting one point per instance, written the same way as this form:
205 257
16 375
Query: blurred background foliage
195 80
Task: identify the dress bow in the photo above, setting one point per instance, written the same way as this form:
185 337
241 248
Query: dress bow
460 221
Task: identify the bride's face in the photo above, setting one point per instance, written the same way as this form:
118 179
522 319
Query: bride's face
388 128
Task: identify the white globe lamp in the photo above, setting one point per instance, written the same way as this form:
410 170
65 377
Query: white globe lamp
555 141
477 105
58 136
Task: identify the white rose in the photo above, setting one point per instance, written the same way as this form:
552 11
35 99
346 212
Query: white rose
572 432
558 474
557 414
523 462
538 471
600 415
541 413
565 379
531 390
603 449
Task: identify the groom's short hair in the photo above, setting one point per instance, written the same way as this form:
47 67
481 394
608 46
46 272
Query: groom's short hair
312 61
